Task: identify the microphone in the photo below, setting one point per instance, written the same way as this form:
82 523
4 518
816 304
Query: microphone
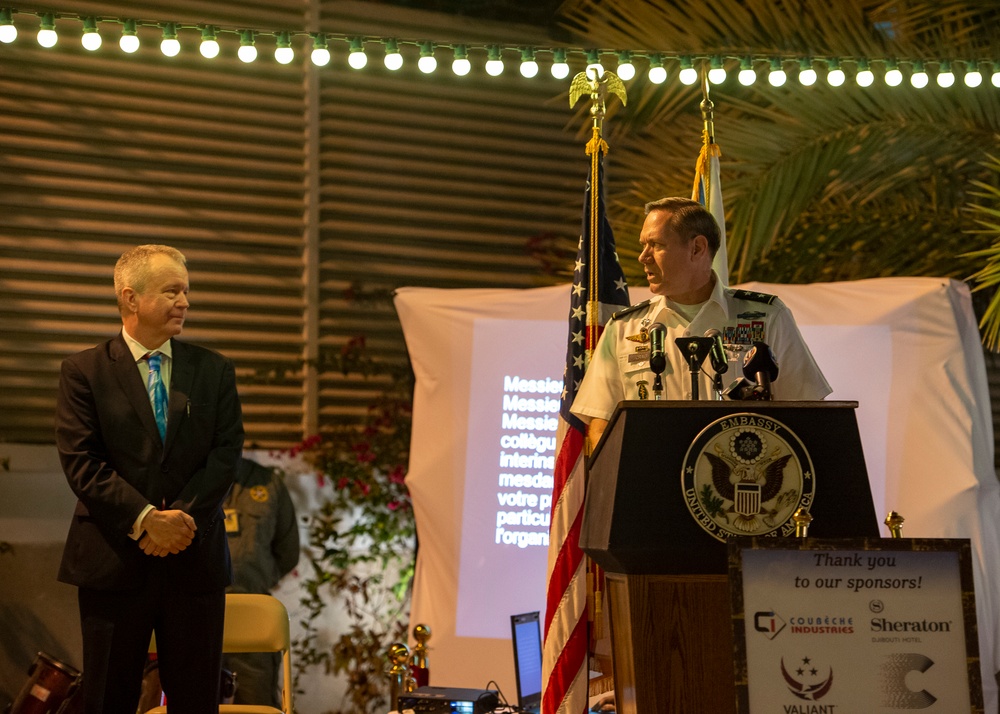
760 362
717 355
657 356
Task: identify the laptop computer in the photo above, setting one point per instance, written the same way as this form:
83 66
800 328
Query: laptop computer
526 637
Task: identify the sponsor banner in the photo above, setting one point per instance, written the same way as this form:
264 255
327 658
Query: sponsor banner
871 625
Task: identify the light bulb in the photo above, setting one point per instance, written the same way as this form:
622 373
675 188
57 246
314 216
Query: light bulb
836 77
973 77
247 52
747 76
357 59
865 78
8 33
528 67
283 52
461 65
129 41
995 78
91 39
807 77
893 77
717 74
427 62
776 77
393 60
946 77
626 70
209 46
169 45
657 73
320 53
47 36
560 70
688 74
919 77
494 63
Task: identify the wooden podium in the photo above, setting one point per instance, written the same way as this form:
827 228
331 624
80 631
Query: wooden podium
667 591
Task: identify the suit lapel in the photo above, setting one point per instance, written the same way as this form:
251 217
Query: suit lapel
181 379
130 381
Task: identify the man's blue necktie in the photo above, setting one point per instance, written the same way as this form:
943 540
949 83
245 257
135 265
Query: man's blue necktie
157 393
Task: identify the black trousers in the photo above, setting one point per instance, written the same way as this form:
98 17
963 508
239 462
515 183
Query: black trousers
117 625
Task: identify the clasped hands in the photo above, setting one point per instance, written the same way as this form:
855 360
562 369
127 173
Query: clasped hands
166 532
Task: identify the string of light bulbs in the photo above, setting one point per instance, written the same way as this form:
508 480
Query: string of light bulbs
747 68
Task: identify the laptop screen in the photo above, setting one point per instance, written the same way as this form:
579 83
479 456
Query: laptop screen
526 635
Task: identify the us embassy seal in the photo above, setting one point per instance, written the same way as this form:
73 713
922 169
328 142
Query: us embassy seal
746 475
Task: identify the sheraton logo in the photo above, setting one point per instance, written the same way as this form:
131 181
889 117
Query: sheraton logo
881 624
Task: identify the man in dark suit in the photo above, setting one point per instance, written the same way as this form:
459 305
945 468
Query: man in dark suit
149 432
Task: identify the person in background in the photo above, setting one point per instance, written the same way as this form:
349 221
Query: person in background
149 432
264 544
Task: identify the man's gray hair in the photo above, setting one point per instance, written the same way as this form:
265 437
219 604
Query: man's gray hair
132 268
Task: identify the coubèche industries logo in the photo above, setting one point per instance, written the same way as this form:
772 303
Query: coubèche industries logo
746 475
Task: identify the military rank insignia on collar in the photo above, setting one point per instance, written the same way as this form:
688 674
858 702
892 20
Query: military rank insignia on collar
754 296
629 310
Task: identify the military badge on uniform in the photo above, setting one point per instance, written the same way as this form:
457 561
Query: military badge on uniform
259 494
232 520
642 337
746 474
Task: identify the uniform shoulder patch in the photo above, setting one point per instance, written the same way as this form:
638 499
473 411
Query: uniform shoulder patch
629 310
754 296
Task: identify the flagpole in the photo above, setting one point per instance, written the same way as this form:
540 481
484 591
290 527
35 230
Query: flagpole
574 601
706 188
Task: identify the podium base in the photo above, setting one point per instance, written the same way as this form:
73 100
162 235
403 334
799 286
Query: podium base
672 643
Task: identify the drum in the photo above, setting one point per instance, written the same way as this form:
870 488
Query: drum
50 683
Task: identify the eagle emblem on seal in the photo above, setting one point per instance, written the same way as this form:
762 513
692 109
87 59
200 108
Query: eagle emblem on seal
748 483
746 474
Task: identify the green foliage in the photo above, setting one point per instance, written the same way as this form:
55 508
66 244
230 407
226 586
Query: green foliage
987 216
820 183
361 539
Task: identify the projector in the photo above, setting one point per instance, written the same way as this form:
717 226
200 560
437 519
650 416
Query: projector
449 700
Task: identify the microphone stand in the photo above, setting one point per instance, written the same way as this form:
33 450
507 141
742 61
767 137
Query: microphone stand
695 350
694 364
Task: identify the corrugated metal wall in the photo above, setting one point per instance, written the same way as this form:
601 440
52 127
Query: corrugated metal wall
422 180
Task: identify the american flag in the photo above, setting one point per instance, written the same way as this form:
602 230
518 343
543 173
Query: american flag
599 288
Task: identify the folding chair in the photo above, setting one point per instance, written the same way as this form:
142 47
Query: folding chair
254 623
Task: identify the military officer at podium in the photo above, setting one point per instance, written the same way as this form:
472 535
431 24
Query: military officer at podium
679 240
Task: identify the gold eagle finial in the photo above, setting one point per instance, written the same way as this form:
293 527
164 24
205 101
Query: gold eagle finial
598 87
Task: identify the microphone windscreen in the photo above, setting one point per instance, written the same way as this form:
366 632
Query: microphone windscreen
760 360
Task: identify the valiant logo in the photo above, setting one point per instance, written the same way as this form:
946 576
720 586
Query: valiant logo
807 681
769 623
